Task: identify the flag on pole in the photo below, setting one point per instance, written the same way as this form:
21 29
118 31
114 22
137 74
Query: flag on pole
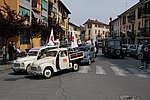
51 38
73 41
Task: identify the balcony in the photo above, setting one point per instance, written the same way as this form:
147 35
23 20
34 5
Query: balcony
145 30
146 14
36 7
146 10
131 18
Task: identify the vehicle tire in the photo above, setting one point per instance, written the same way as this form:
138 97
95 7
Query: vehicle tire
48 73
75 67
128 54
89 62
16 72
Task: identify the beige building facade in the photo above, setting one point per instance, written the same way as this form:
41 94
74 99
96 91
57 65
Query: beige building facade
135 23
42 11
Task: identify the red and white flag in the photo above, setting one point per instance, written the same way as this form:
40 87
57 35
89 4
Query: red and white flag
51 38
73 41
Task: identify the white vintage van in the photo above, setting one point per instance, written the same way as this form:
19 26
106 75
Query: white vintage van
56 60
22 64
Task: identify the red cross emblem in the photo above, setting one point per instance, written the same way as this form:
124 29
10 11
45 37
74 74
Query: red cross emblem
64 60
146 49
72 39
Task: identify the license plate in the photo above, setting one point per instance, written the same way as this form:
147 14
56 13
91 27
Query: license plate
16 64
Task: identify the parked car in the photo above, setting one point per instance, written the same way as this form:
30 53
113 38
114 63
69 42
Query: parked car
139 53
56 60
89 53
131 50
22 64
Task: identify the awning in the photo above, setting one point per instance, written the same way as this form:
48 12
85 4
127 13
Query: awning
36 15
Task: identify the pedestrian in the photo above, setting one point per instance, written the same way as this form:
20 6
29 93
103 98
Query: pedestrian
146 52
4 50
96 46
14 55
10 50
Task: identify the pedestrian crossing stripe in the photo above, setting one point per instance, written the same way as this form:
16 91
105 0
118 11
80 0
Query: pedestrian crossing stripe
84 69
118 71
100 70
137 73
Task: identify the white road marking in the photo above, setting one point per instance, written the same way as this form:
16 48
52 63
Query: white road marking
133 70
84 69
100 70
118 71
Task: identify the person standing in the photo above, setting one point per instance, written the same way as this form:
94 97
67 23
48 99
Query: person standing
10 50
146 53
4 50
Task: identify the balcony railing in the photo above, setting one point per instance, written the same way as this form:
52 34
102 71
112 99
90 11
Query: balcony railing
145 30
36 6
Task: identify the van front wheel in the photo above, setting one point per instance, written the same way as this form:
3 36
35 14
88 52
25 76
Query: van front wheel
48 73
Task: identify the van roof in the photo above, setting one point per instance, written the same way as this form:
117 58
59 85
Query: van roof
40 47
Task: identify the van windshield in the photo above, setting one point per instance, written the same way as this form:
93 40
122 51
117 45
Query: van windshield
114 43
32 53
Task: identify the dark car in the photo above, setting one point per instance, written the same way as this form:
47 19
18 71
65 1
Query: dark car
113 47
89 53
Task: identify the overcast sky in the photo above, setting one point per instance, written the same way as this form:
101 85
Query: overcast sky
82 10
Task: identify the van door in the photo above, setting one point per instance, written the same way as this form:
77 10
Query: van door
63 60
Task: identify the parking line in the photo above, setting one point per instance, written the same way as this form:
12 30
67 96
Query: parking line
100 70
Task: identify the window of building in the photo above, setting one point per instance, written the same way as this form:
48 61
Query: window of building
124 19
44 5
89 32
89 25
95 31
99 31
95 25
139 25
23 11
103 32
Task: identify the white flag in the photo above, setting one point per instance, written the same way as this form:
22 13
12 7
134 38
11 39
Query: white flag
73 41
51 38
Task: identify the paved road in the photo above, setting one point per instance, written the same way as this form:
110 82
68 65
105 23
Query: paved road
105 79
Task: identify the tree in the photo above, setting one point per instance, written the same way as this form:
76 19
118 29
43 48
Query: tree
10 22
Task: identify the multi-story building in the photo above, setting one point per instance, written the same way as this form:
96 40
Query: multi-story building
94 28
135 22
58 17
145 17
130 23
74 28
42 11
116 27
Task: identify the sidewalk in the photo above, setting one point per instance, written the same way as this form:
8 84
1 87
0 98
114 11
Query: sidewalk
6 66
